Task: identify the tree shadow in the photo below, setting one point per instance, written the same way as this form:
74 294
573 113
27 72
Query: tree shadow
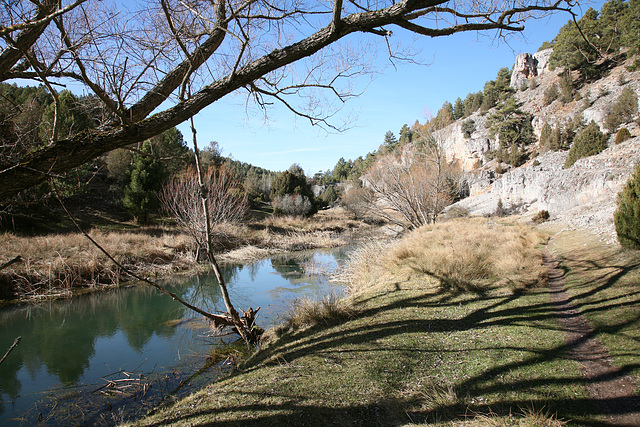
480 313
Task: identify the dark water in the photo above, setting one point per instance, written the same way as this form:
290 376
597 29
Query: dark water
103 358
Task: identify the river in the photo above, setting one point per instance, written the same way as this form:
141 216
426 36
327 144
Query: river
104 358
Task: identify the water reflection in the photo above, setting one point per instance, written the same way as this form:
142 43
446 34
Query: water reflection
80 341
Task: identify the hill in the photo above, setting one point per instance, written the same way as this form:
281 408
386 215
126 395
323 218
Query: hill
583 195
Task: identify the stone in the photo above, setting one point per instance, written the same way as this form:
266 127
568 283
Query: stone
525 68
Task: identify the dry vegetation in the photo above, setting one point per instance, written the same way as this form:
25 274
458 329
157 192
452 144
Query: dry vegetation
459 255
56 265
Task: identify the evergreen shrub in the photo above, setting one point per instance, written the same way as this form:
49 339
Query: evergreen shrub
622 135
627 216
588 142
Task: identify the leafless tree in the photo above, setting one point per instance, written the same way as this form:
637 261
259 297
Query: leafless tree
226 201
412 187
154 64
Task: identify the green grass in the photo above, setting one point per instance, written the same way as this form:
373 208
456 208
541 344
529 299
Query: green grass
413 352
604 280
409 357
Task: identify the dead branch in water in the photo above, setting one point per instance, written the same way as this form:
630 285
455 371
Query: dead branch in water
14 345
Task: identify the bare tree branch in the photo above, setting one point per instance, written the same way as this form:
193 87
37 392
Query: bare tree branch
134 68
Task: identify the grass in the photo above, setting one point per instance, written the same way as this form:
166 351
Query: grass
414 351
603 280
58 265
476 255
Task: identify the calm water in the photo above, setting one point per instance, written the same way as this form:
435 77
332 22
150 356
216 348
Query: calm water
103 358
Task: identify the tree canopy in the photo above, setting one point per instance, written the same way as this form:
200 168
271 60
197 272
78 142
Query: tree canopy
153 65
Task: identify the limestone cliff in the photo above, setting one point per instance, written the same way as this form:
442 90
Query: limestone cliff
583 195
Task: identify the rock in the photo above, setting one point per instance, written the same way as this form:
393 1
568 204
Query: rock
542 58
528 66
525 68
582 196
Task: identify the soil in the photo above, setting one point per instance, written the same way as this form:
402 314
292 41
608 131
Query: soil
608 386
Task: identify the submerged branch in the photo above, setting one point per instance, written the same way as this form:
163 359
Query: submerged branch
14 345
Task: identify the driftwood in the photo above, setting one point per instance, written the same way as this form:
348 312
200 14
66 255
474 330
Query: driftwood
248 319
14 345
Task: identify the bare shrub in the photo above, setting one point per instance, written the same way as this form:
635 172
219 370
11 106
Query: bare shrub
356 201
541 217
226 201
412 188
292 204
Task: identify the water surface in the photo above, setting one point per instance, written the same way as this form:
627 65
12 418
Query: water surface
106 357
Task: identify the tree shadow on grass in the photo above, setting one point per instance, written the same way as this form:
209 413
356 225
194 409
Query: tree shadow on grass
478 313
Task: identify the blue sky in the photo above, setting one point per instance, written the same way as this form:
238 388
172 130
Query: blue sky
458 64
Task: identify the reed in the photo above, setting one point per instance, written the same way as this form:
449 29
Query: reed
56 265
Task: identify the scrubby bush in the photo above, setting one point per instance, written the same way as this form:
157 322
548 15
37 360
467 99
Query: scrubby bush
357 201
292 204
588 142
541 217
622 135
627 216
468 127
567 91
329 195
500 209
623 110
550 94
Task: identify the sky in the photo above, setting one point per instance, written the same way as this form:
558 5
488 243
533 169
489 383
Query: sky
455 66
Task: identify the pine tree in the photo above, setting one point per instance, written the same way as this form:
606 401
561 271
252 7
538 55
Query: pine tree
146 179
588 142
458 109
390 141
627 216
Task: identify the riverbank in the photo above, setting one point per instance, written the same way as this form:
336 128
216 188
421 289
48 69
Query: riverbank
62 265
425 340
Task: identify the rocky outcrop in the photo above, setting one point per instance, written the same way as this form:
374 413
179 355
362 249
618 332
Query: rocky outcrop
528 66
581 196
542 57
468 153
525 68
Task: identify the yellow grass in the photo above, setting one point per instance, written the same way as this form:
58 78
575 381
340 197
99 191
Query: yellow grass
459 255
55 264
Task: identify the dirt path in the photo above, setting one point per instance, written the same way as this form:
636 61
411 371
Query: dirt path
606 384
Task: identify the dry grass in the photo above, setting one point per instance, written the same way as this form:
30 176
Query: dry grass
528 418
458 255
306 312
54 265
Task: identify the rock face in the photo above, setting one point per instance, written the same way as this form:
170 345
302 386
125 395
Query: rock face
542 58
525 68
582 196
528 66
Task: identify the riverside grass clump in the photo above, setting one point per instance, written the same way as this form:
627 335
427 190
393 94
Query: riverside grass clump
59 264
475 255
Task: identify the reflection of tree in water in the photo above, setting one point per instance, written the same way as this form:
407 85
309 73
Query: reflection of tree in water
146 313
291 265
60 336
9 384
203 291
